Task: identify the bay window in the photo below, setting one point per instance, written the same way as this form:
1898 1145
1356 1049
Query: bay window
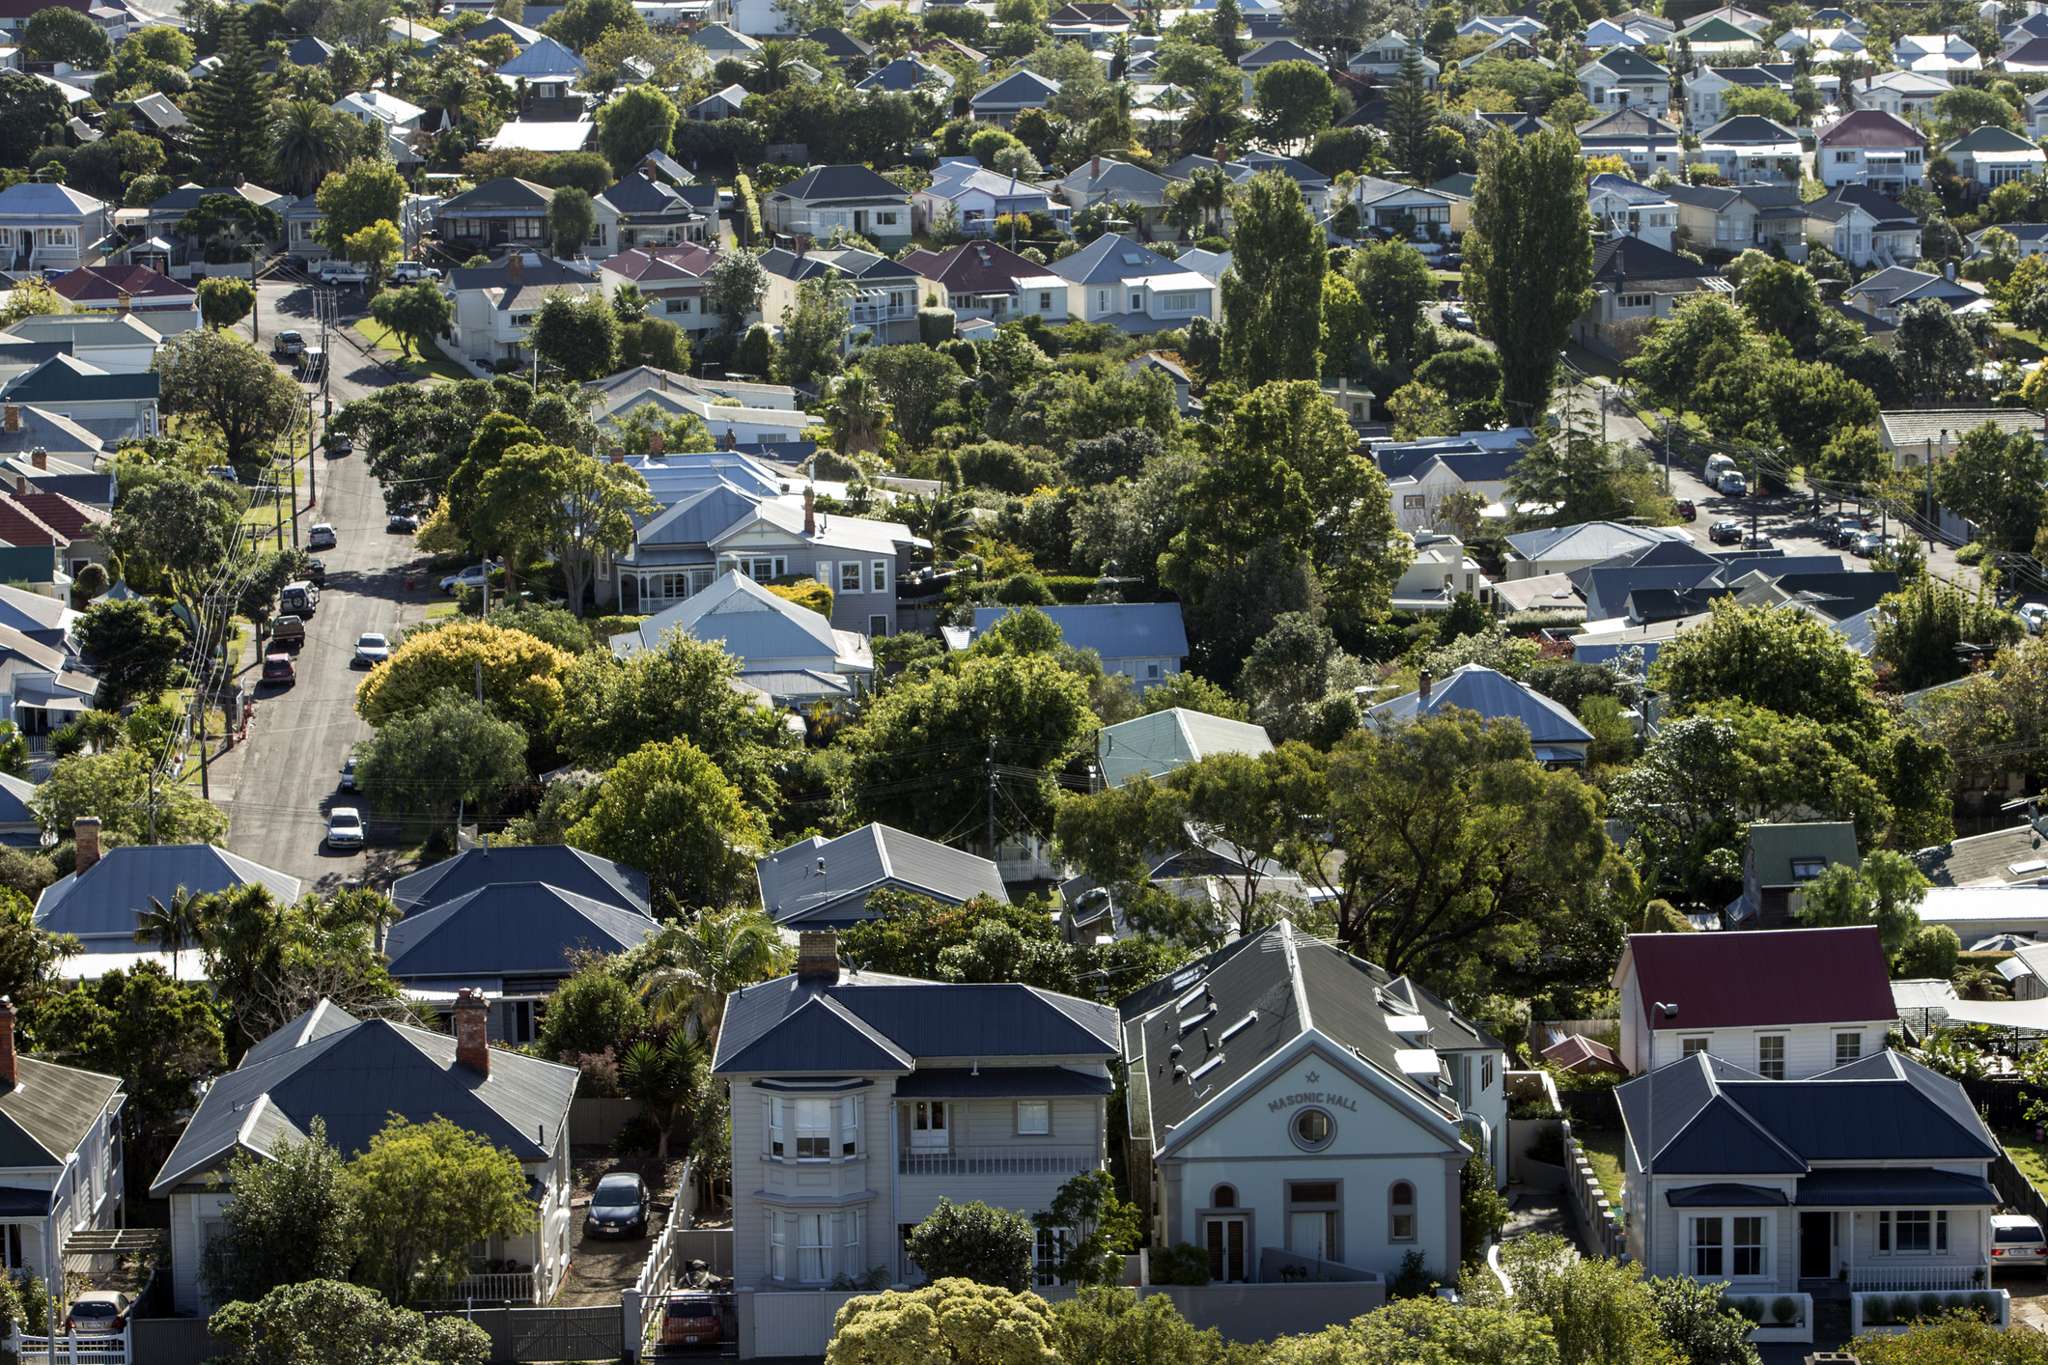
811 1252
775 1146
813 1130
849 1125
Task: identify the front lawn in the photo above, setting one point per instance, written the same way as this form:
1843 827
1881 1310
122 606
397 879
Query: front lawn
1603 1148
434 365
2028 1156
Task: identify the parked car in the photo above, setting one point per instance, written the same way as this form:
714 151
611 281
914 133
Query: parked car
338 444
1455 315
412 272
99 1312
1757 540
472 577
344 827
1688 510
692 1318
1734 485
1867 542
288 631
618 1207
2017 1243
300 599
287 345
321 537
1844 530
333 270
401 524
348 773
278 670
1725 532
372 649
2034 615
316 572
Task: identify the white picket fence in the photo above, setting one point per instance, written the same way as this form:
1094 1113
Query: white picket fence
93 1349
639 1307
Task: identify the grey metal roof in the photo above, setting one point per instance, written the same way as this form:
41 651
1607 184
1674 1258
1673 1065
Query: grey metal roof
355 1077
867 1021
1725 1196
1890 1187
1494 696
1156 744
1114 630
1016 89
756 627
511 929
1987 858
841 182
821 881
583 874
107 900
1112 257
49 1111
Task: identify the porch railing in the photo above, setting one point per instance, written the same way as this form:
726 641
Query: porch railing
505 1286
1916 1277
999 1161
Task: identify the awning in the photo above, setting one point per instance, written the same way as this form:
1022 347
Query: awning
1001 1082
16 1202
1725 1197
1890 1188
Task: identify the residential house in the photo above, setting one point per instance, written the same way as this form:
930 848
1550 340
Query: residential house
503 214
1863 226
1979 912
1168 367
885 298
2029 239
820 883
719 104
1870 147
1561 549
1000 103
67 1165
754 19
543 133
1936 54
1753 150
1874 1173
735 412
34 516
1621 206
1635 284
57 454
1297 1112
1822 46
1406 209
2037 107
1903 94
970 200
1272 53
572 869
1989 156
19 827
354 1076
1644 142
1115 280
1778 858
1094 26
545 68
673 280
2004 857
1104 180
1621 78
1143 641
1439 574
1153 745
303 222
495 304
48 227
114 407
1918 437
180 251
1886 294
645 211
904 75
101 901
1716 39
1558 738
788 652
1726 221
828 199
167 305
738 41
859 1100
381 109
512 944
1706 91
119 343
1384 58
840 46
988 280
1502 26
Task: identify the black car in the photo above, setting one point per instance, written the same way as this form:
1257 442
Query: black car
339 443
401 524
1725 532
618 1207
316 572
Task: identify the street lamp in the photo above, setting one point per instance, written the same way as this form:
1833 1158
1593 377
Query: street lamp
1659 1011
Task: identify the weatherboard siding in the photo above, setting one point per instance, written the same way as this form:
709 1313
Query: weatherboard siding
1809 1048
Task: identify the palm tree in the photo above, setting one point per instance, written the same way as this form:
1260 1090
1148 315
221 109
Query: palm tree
943 518
857 414
706 960
170 926
307 144
663 1078
773 67
93 731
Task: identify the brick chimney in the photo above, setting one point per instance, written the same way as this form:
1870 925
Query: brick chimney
810 511
13 417
39 457
1095 170
1422 696
656 442
472 1031
127 301
817 956
7 1067
515 265
85 838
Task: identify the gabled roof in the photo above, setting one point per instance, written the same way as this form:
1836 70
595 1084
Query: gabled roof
754 626
1609 185
839 45
1114 257
49 1111
1761 978
571 869
1718 30
106 283
1775 846
1871 128
1281 50
1748 77
1628 122
1749 130
1631 258
1019 88
1494 696
1114 630
841 182
818 875
111 894
974 267
1590 540
1629 64
354 1074
67 379
510 929
36 198
506 192
904 74
1988 138
1153 745
543 58
653 264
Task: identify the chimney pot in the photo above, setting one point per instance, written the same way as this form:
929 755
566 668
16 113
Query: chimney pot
817 956
1427 683
472 1031
8 1074
13 416
656 441
515 265
85 838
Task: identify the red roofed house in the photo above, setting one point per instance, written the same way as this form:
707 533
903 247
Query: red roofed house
988 280
80 530
1784 1003
156 298
14 14
1577 1052
1871 147
673 279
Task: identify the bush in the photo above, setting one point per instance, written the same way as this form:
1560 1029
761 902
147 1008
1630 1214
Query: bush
1986 1304
1750 1308
1413 1280
1973 553
1877 1311
1784 1310
934 325
1930 1306
1024 590
1181 1263
638 1136
974 1242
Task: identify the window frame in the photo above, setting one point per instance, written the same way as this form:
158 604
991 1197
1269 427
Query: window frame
1043 1107
878 575
1766 1066
843 587
814 1127
851 1113
1402 1223
1706 1257
1854 1039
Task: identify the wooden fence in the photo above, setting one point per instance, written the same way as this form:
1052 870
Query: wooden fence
1598 1219
2015 1189
549 1334
2002 1102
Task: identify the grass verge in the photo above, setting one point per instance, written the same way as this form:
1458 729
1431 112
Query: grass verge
384 342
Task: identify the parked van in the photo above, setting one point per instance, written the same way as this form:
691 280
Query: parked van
1717 465
312 364
299 599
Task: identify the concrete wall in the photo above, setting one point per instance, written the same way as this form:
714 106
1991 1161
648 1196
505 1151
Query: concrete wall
1260 1312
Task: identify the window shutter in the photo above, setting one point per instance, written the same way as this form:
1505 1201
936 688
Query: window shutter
767 1124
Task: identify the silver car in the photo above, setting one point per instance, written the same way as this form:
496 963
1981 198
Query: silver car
372 649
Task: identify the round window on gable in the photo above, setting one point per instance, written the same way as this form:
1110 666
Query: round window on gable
1312 1129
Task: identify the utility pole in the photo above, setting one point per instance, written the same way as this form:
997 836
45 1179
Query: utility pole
989 816
293 461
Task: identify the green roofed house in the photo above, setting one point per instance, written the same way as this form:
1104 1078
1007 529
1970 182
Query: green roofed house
1154 745
1718 39
1989 156
1621 78
1781 858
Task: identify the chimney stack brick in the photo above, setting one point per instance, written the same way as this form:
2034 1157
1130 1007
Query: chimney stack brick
85 839
1427 684
8 1069
817 956
13 416
472 1031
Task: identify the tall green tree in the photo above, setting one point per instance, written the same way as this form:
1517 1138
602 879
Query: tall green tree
1273 293
293 1218
230 135
667 807
414 313
309 142
1529 258
425 1194
1411 108
579 336
221 380
572 220
133 645
353 197
1295 101
59 34
640 120
1996 479
451 751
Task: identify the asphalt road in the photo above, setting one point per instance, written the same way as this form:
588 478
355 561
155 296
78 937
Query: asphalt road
278 786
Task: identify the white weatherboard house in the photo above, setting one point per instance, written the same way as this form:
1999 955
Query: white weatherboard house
1295 1111
60 1140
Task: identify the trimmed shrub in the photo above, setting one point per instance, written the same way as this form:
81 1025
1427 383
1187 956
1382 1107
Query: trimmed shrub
1181 1263
934 325
1986 1304
1784 1310
1877 1310
1024 590
1750 1308
1931 1305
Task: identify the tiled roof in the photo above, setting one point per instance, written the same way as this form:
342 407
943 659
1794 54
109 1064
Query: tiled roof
106 283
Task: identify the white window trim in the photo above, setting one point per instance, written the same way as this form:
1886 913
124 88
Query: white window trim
1726 1221
1042 1106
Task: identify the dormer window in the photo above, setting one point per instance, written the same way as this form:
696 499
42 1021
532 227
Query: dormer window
1806 869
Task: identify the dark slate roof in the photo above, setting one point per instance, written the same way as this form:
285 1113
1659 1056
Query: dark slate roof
1017 88
1763 978
1492 695
1991 139
1630 65
1889 1187
49 1111
571 869
1871 128
1255 997
1750 77
903 74
1114 630
355 1074
1520 123
821 881
106 900
841 182
506 192
839 45
1749 129
1632 258
1725 1196
865 1022
1001 1082
1112 257
67 379
640 195
511 929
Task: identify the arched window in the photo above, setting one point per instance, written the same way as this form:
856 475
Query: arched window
1223 1197
1401 1212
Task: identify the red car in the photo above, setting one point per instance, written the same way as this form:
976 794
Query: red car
277 668
692 1318
1687 511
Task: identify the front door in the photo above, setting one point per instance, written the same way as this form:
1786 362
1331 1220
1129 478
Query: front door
1816 1246
1224 1238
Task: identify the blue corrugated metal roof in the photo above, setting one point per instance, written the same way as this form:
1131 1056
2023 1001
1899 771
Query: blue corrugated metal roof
1115 630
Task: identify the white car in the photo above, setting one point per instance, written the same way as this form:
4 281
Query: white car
474 577
344 827
2035 615
332 271
321 537
2017 1243
412 272
372 649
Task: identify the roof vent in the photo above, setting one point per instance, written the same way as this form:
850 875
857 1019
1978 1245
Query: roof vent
1173 1053
1196 1020
1240 1026
1208 1043
1206 1067
1180 1073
